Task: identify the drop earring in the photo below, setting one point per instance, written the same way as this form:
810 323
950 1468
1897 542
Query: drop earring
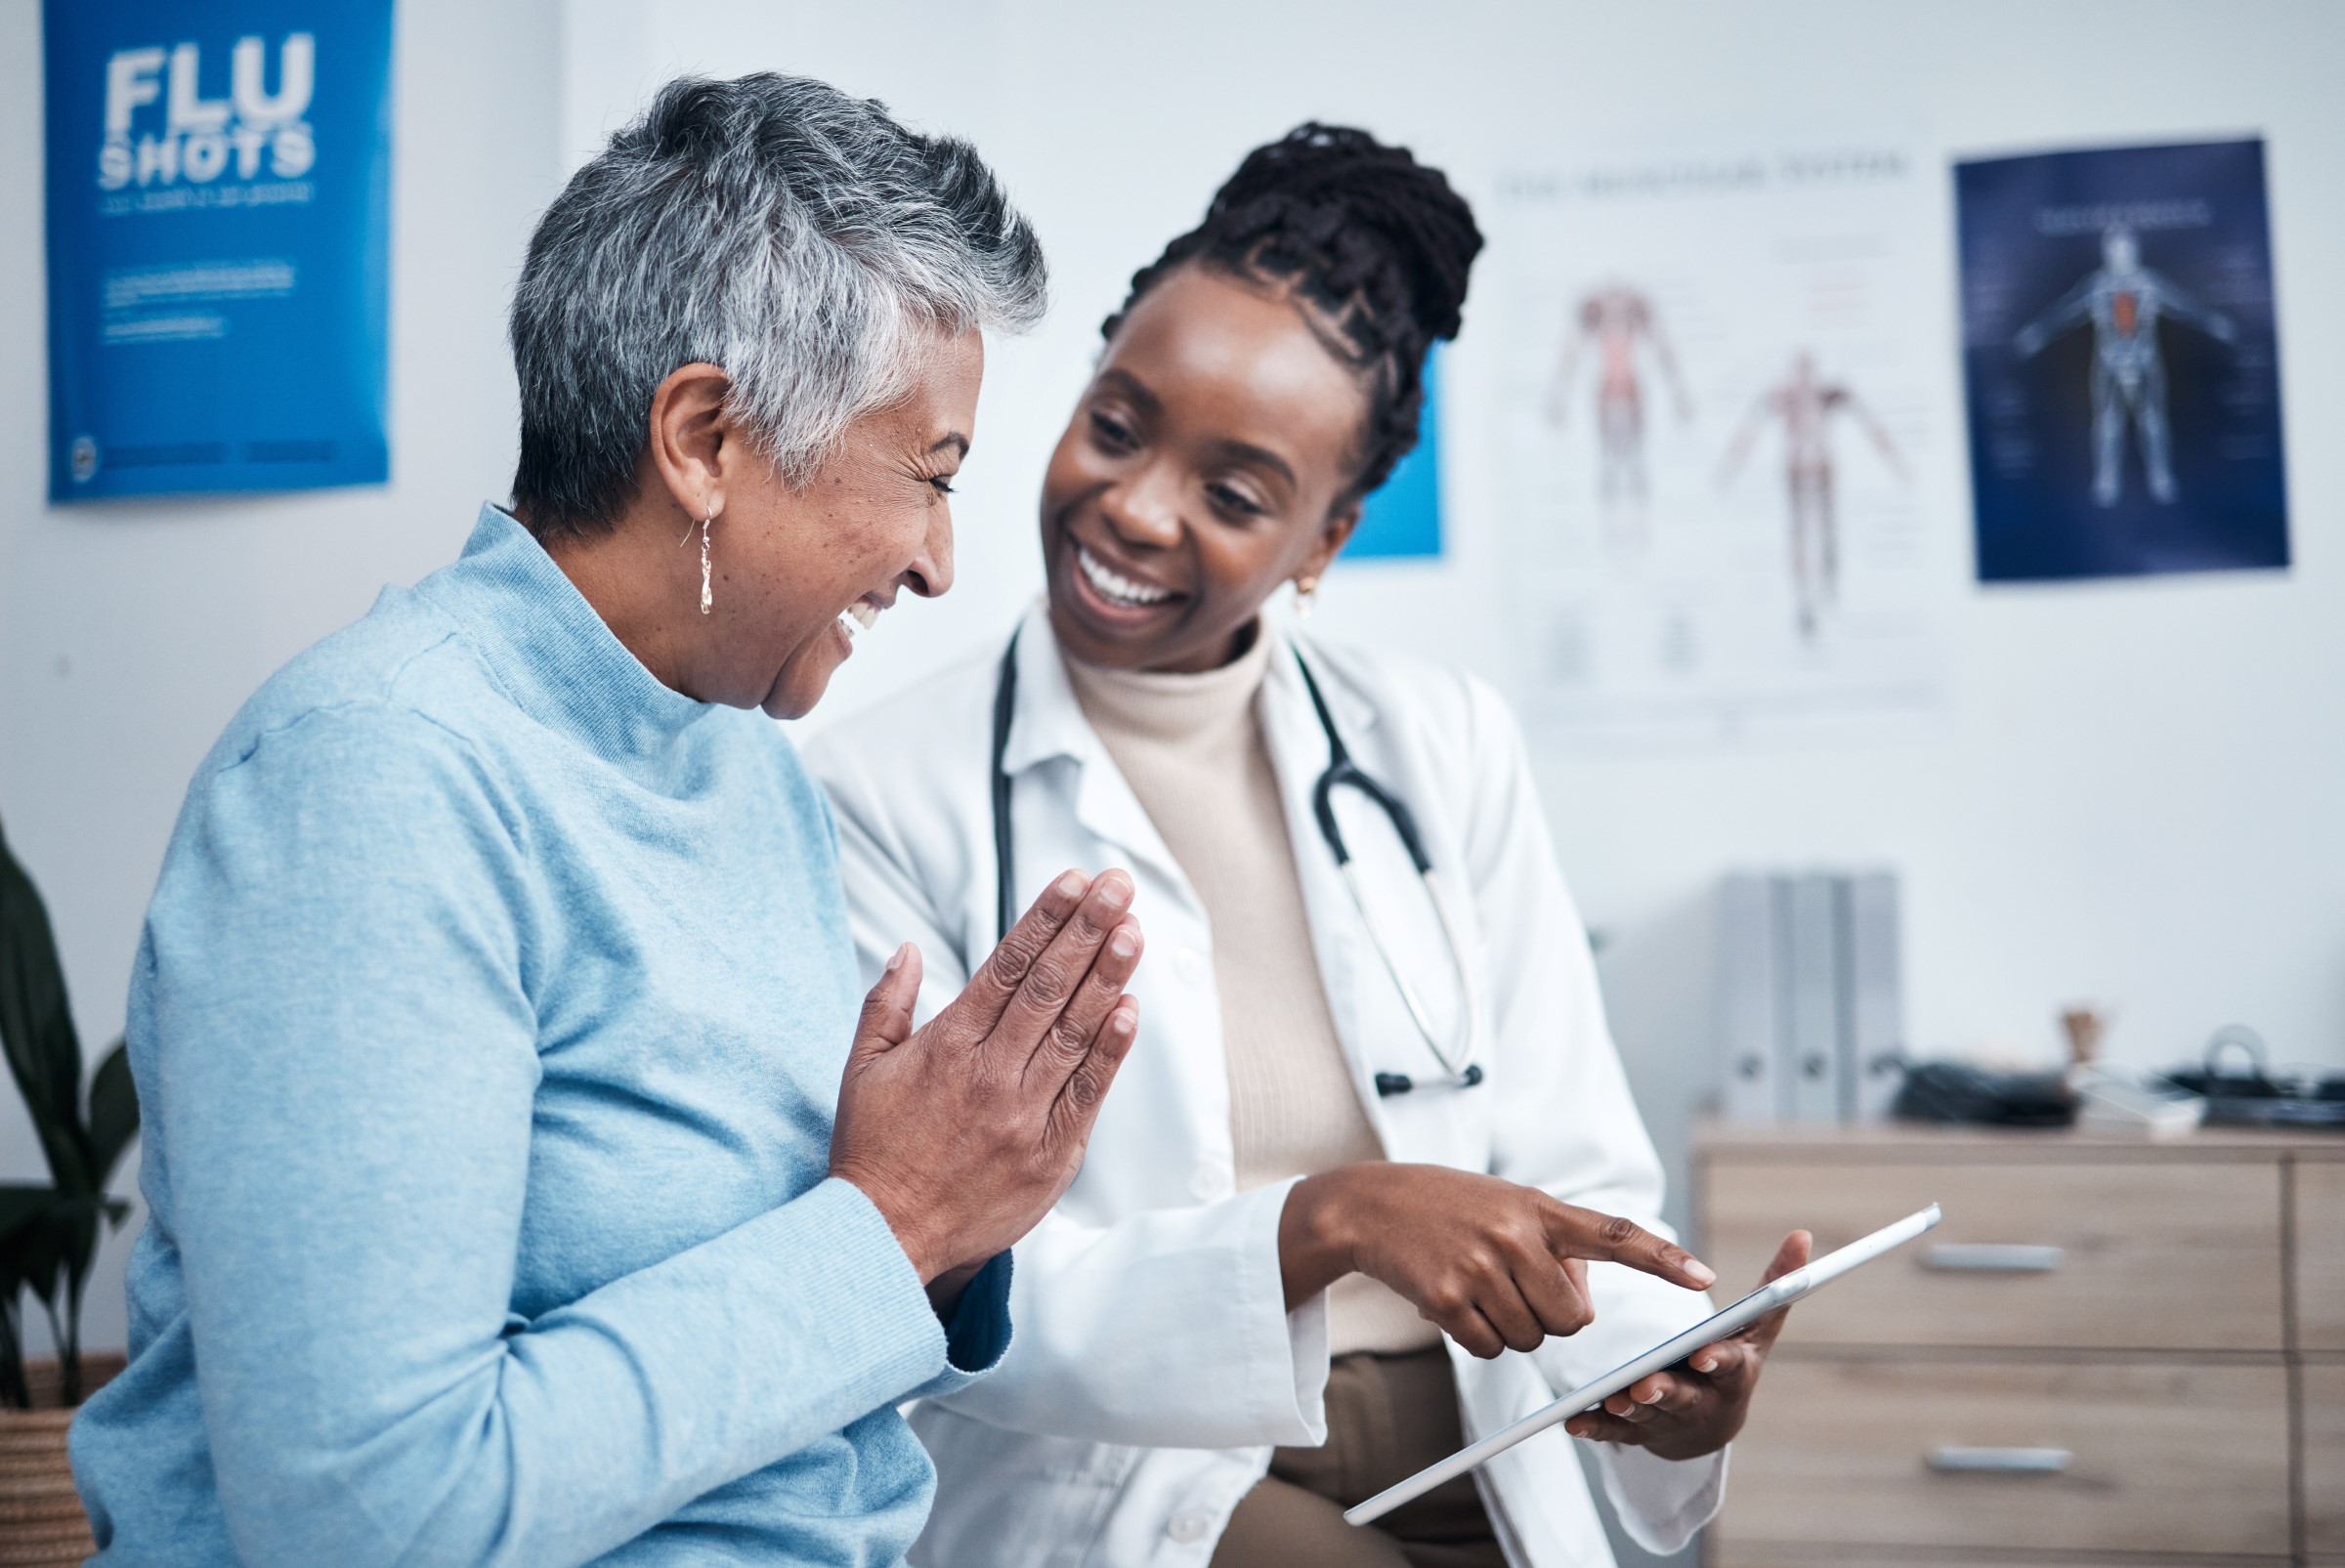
1306 588
707 599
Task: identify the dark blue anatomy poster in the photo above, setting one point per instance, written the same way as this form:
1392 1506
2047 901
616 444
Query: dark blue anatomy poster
219 182
2121 357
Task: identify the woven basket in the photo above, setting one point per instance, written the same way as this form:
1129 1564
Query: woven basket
42 1524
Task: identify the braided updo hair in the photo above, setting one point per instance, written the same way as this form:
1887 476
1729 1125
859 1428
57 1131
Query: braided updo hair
1376 241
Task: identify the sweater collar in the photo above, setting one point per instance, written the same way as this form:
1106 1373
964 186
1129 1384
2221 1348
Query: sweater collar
1047 721
1167 707
550 651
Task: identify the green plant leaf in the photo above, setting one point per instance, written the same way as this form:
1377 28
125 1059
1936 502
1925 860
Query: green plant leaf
19 1203
36 1028
49 1235
113 1113
13 1392
42 1249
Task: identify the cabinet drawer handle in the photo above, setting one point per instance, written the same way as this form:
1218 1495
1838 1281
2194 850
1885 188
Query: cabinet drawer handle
1993 1257
1998 1461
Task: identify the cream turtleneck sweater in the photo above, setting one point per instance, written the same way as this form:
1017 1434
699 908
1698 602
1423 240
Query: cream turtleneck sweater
1191 747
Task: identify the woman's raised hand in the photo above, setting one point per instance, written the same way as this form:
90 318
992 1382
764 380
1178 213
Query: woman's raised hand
964 1131
1496 1265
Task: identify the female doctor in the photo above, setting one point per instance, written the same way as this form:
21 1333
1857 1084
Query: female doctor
1373 1184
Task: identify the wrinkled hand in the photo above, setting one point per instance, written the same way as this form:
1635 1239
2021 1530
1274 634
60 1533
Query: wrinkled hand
964 1131
1496 1265
1697 1406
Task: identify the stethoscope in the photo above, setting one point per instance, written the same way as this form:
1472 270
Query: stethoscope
1459 1069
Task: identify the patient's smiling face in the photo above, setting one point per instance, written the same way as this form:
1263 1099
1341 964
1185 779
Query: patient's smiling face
1213 457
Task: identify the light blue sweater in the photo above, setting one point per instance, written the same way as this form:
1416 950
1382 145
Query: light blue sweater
487 1030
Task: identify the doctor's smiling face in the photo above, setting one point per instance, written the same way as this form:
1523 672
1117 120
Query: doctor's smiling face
1214 455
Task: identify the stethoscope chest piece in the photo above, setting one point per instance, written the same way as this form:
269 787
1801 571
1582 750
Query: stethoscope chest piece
1388 1084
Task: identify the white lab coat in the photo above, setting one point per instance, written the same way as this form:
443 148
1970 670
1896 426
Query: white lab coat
1154 1364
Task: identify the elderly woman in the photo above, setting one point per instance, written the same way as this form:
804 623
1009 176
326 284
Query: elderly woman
506 1202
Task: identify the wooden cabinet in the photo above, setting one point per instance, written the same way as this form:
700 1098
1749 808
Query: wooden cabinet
2130 1350
2323 1413
2027 1254
2321 1254
2133 1455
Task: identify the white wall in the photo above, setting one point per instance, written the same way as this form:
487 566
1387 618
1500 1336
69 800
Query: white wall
2128 798
2130 795
131 632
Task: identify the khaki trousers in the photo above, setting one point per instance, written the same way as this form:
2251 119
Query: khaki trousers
1388 1417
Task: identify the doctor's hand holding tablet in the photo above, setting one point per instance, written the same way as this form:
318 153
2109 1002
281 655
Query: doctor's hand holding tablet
1698 1406
1646 1401
1500 1267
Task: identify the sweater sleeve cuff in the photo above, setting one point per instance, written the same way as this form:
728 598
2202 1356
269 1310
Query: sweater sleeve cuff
1662 1503
865 1306
978 1337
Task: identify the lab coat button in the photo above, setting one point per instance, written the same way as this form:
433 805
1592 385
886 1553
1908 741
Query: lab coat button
1190 1524
1206 1183
1189 965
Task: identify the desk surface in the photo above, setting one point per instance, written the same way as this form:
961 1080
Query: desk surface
1880 1140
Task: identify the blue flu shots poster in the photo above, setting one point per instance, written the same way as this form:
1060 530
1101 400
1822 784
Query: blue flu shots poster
218 226
2121 360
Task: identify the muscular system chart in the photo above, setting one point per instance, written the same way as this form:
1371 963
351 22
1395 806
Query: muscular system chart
1726 423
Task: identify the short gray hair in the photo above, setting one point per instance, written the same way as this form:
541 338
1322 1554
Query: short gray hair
800 239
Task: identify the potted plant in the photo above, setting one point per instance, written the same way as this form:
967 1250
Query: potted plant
49 1233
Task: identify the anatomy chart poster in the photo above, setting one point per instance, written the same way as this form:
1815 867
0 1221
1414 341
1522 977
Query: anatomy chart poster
2119 344
219 181
1726 422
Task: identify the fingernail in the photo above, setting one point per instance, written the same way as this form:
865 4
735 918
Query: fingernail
1068 886
1125 942
1121 1023
1702 1272
1115 892
1706 1366
895 959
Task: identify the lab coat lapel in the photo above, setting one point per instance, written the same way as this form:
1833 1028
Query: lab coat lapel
1169 1118
1046 722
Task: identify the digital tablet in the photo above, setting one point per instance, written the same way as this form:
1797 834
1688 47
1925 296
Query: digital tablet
1733 1320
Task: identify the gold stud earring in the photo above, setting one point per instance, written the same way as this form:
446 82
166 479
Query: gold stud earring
1305 589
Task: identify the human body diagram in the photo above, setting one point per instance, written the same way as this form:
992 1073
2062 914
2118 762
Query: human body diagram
1614 322
2124 300
1805 405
